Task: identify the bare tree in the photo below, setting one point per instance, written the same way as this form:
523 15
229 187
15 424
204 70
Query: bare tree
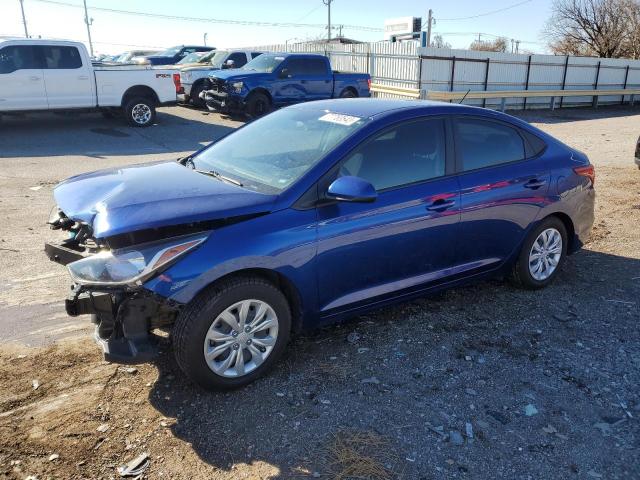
603 28
438 42
497 45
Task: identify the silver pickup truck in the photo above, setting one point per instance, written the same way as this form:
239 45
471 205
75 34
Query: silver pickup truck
193 79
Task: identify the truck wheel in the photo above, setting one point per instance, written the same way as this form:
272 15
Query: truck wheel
196 101
348 93
232 333
140 112
258 105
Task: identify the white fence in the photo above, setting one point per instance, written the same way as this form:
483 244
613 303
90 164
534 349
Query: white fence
410 66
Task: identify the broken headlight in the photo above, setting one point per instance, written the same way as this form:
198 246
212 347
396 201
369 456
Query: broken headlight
132 265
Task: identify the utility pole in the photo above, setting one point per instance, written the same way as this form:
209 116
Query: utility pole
88 21
24 19
328 4
205 39
517 46
430 21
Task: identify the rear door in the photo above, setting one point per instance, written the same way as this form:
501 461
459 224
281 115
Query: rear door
503 187
315 74
21 78
405 239
68 80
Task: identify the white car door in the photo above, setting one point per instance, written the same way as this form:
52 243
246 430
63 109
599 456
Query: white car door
68 81
21 79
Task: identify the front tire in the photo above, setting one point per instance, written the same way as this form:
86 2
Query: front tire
140 112
232 333
258 105
543 253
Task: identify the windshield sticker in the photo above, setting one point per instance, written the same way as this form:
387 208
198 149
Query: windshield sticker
346 120
279 58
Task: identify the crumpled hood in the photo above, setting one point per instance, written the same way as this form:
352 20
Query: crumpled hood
140 197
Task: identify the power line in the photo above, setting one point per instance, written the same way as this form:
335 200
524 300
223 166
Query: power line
485 14
211 20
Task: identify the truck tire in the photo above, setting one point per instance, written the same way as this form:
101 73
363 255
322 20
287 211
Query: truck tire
207 347
140 112
195 99
348 93
258 105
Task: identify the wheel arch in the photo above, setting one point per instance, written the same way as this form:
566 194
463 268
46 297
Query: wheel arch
262 90
143 91
568 225
350 89
281 281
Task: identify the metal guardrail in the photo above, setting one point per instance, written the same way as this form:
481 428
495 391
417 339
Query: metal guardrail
390 89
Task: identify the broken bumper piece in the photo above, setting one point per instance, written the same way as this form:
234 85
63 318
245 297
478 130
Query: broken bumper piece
124 321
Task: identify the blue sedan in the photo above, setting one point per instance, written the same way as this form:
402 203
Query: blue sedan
315 213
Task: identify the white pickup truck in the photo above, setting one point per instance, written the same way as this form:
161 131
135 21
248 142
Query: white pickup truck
54 75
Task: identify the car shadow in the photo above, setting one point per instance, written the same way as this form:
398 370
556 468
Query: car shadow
176 130
574 114
404 372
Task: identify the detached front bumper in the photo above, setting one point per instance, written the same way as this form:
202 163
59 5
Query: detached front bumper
124 317
222 102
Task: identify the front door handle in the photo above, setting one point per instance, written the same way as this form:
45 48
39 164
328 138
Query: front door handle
534 184
34 78
83 77
440 205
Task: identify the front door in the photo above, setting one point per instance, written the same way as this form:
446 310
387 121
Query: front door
21 79
68 81
403 240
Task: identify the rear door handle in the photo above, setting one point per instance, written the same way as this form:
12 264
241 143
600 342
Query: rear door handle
441 205
34 78
534 184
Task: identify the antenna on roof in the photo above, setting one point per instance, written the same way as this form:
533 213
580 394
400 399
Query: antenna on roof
465 96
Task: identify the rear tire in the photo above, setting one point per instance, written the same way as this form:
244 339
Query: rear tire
542 255
140 112
348 93
258 105
204 317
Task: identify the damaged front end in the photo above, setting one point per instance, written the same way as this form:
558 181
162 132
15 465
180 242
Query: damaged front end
108 284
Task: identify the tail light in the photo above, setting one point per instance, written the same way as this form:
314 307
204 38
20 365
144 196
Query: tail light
369 83
587 171
176 82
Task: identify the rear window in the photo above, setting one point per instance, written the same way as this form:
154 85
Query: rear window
61 58
306 66
482 143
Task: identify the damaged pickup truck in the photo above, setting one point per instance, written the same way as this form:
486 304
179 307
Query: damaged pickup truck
311 214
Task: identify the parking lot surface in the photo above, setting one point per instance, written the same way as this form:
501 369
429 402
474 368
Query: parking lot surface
486 381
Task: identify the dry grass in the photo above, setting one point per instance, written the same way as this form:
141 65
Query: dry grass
360 455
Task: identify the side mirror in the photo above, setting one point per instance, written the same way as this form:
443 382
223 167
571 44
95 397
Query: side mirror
284 73
229 64
352 189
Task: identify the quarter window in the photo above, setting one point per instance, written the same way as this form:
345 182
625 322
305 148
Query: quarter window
409 153
481 143
61 58
19 57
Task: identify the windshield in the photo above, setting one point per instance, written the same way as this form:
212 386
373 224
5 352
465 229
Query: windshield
192 58
169 52
218 58
264 63
270 154
208 57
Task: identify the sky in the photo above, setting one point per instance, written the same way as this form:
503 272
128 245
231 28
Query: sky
114 32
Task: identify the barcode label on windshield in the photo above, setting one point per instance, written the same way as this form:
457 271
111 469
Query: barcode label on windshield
340 119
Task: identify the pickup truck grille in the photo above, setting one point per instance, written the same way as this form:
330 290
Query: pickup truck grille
217 85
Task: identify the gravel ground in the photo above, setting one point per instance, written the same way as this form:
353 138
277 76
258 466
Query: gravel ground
486 381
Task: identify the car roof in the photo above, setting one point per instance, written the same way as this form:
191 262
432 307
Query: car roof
371 107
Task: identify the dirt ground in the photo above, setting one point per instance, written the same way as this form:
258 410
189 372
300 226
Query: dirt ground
486 381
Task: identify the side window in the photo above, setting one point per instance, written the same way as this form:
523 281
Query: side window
306 66
408 153
482 143
19 57
239 59
255 54
61 58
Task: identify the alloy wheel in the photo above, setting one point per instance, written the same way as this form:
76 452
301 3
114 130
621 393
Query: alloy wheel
141 113
545 254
